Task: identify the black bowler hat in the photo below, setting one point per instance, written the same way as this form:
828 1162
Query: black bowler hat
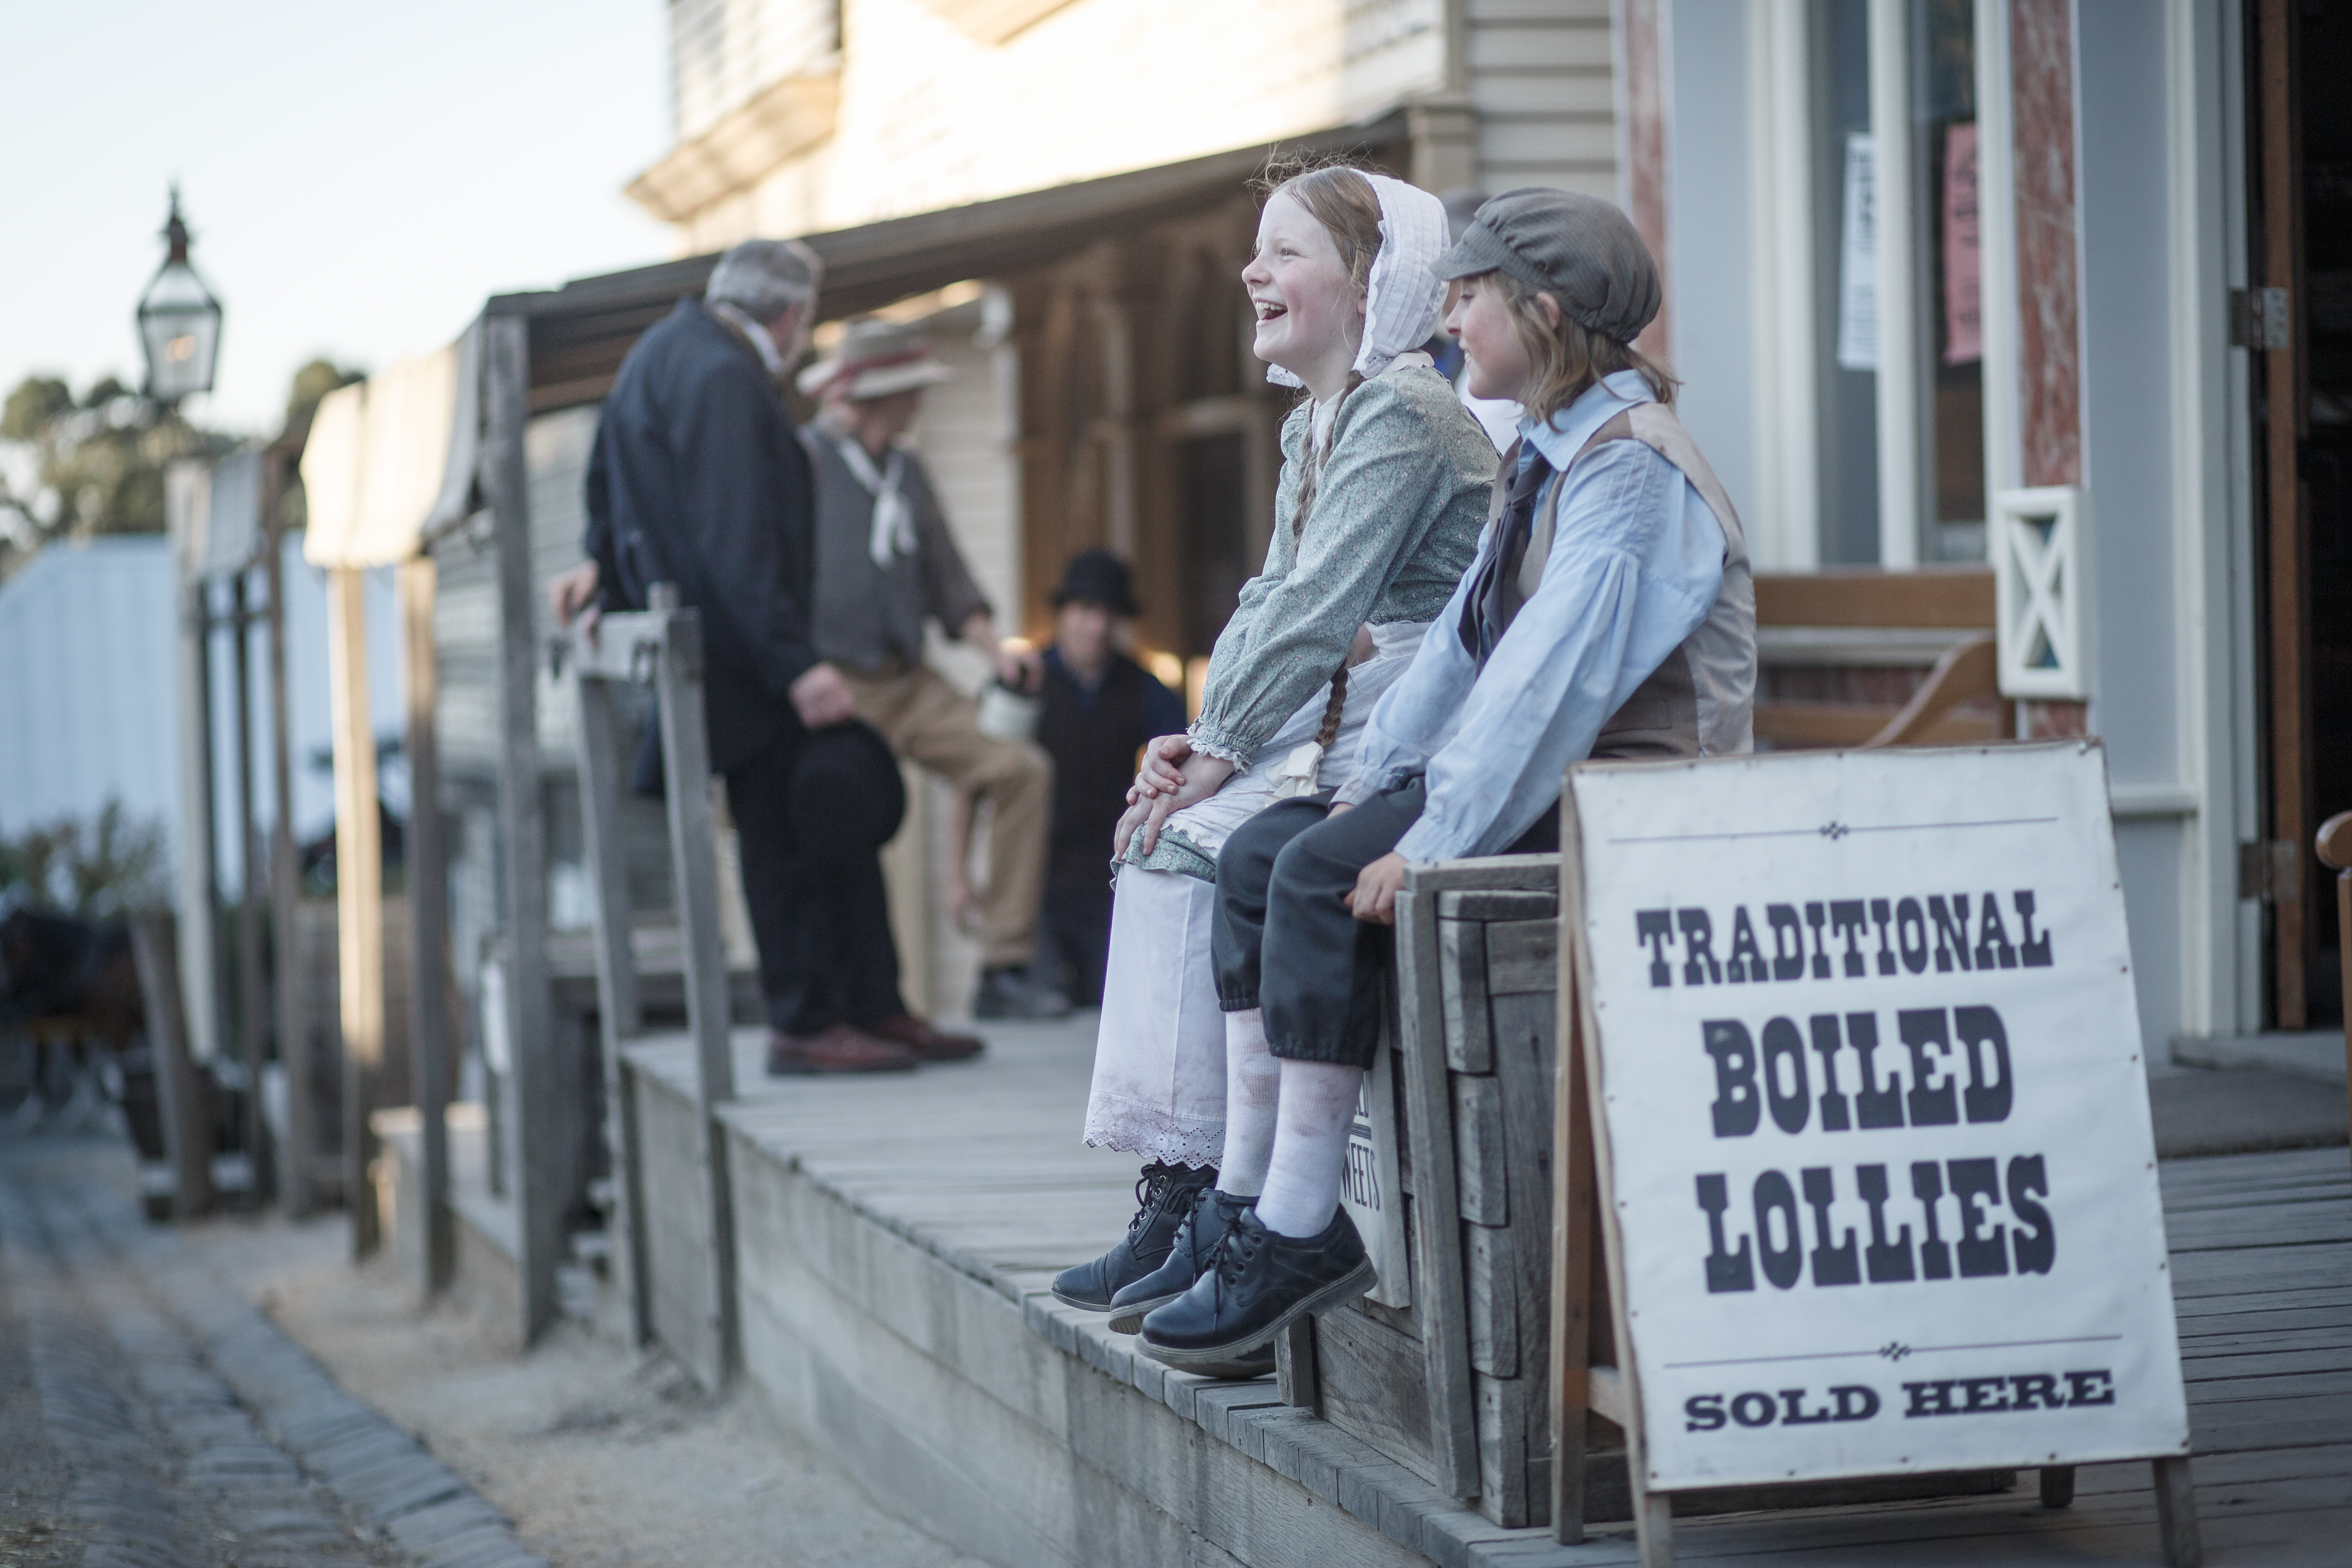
846 797
1098 577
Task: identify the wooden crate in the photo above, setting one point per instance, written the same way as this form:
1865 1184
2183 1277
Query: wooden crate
1453 1386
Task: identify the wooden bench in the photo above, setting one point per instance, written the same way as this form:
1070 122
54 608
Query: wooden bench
1862 658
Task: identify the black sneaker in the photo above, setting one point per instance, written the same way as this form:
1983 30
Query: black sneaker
1197 1240
1166 1194
1259 1284
1013 991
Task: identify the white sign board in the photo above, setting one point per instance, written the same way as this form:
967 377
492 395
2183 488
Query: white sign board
1368 1186
1877 1123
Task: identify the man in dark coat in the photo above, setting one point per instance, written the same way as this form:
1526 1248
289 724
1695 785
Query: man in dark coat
1099 708
697 478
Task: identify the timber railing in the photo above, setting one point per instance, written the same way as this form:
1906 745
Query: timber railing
677 1277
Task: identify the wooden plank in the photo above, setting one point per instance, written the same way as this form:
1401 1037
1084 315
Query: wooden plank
1959 596
1524 1070
685 764
2176 1505
197 864
252 906
1294 1366
1492 1264
1506 1449
1480 1159
1508 871
1461 973
1572 1235
428 913
1374 1386
294 1184
1439 1304
1789 723
617 1013
522 816
359 896
187 1126
1499 904
625 647
1522 957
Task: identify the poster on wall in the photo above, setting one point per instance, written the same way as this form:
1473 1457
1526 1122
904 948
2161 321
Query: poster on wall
1878 1142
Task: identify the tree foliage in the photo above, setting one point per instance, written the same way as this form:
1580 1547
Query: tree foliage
89 465
103 867
72 468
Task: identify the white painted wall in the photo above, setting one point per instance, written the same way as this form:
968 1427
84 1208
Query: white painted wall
1709 240
88 681
931 116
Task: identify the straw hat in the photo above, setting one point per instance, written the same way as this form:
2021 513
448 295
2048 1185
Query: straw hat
874 359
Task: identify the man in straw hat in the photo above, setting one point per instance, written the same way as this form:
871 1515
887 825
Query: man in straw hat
696 479
886 564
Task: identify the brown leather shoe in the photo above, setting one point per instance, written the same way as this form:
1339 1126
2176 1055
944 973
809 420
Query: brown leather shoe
917 1035
838 1049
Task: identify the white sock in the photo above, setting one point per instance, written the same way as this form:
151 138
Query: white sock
1253 1083
1311 1148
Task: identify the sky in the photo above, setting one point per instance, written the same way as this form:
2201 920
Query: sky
358 177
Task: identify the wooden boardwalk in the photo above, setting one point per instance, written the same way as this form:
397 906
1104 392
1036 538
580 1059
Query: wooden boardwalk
979 1164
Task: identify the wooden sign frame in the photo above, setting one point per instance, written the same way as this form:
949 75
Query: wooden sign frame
1592 1368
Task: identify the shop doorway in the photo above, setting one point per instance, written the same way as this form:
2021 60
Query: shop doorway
2297 314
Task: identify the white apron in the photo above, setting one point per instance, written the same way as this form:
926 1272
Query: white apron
1159 1058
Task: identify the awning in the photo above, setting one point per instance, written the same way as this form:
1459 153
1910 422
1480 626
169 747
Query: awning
580 332
391 460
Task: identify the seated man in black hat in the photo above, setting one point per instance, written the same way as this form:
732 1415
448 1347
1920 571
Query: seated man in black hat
1099 708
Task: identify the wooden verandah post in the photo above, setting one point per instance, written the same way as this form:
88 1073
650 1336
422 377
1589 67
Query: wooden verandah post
521 811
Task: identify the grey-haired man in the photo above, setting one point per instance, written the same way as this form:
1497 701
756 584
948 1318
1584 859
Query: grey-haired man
698 478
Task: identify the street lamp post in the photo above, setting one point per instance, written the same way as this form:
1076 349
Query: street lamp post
179 322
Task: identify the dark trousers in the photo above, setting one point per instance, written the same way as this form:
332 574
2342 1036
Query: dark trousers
821 918
1283 941
1075 933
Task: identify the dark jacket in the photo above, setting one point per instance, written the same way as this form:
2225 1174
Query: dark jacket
697 479
1093 737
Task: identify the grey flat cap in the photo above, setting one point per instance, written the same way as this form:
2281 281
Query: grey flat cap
1580 248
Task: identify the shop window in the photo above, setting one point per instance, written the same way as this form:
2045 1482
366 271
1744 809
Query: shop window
1845 285
1898 334
1946 304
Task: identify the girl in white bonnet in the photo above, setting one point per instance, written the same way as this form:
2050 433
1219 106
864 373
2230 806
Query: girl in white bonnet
1385 488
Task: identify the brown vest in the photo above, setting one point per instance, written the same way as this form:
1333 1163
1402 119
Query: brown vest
1701 701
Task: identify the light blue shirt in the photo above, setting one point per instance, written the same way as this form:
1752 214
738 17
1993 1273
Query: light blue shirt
1636 563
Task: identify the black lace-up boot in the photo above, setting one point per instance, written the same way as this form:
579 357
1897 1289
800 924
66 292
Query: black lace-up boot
1259 1284
1165 1196
1197 1241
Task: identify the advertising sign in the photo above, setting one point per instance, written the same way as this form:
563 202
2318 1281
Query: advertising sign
1877 1151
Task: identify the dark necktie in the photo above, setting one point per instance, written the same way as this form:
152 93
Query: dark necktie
1483 618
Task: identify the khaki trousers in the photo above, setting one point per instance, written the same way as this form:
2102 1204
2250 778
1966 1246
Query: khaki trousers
930 722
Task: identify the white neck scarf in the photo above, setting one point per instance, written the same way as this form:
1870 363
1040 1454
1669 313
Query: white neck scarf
1403 300
893 533
764 342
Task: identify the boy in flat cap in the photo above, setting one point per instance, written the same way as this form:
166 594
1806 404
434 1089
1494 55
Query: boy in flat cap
1609 614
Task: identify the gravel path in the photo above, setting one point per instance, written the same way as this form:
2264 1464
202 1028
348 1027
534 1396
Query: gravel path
236 1394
